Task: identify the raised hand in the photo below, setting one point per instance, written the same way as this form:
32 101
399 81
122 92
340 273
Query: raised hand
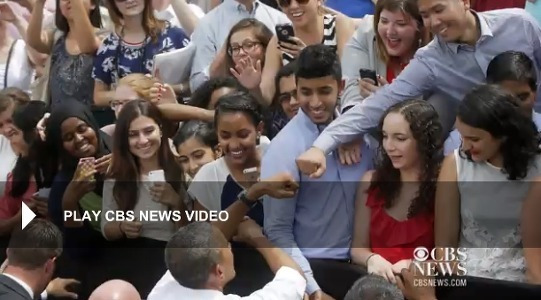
10 11
248 73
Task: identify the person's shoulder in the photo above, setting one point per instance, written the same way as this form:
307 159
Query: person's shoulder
505 13
11 290
212 171
365 25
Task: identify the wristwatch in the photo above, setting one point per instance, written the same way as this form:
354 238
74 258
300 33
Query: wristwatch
249 202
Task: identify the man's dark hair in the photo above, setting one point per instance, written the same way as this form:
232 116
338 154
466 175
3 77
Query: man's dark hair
512 65
192 252
202 95
33 246
373 287
239 102
318 61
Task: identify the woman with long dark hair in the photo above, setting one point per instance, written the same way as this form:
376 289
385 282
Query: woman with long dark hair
482 185
395 202
31 172
141 148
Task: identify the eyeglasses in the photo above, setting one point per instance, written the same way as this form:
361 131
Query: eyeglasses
286 96
286 3
246 47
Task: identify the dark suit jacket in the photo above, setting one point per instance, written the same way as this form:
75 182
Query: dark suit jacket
11 290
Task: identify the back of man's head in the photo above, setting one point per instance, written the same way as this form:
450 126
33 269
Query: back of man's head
115 290
373 287
192 252
31 247
317 61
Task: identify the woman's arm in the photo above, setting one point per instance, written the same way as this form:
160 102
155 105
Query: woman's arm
345 28
35 37
272 66
188 20
447 208
180 112
102 95
361 250
83 30
531 232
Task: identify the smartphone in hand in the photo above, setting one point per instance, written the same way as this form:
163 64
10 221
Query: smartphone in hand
369 74
251 174
284 32
87 165
156 176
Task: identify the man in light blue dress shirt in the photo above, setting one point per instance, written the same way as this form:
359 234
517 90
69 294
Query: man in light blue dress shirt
212 30
515 72
318 222
451 65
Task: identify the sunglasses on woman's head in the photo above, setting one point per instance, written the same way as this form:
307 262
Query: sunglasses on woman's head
286 3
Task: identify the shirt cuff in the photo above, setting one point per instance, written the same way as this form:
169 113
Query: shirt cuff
311 285
325 143
44 295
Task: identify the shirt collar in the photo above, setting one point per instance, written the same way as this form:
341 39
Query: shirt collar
485 32
305 119
23 284
233 4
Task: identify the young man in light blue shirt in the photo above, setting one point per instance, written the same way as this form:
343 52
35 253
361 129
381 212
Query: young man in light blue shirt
315 227
451 65
515 72
211 32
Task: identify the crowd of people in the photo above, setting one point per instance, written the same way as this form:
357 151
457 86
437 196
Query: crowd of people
338 137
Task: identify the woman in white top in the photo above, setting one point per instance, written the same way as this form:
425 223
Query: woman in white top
216 185
141 147
482 185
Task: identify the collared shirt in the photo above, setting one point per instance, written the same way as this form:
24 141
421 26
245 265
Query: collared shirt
287 284
318 221
211 32
448 69
454 140
23 284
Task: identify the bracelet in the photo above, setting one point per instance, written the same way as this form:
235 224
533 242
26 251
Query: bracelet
369 257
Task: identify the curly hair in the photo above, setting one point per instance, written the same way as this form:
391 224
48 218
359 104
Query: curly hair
490 108
427 131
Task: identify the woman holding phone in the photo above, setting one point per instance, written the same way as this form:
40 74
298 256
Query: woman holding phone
310 26
144 178
83 157
382 47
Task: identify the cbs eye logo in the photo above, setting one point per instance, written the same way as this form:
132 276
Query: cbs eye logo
420 254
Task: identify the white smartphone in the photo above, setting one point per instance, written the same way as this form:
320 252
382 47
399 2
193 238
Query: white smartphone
251 174
156 176
43 193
